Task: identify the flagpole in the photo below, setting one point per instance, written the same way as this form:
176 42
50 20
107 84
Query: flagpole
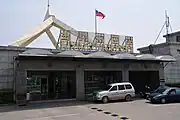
95 22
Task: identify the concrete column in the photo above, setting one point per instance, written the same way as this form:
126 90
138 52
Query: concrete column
161 76
125 75
20 86
80 83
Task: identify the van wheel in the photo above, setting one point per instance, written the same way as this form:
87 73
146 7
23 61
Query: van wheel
105 99
128 97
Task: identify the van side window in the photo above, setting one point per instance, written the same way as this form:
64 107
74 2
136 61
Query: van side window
114 88
128 86
121 87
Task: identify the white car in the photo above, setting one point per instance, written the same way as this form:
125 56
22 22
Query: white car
115 91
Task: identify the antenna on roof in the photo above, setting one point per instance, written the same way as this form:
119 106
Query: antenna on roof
167 24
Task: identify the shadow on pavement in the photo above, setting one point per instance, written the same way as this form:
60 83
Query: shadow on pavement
53 104
158 103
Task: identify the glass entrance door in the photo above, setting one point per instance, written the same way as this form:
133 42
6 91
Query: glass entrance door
65 85
37 86
44 87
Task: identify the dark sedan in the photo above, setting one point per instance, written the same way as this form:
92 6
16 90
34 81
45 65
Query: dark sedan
160 90
168 96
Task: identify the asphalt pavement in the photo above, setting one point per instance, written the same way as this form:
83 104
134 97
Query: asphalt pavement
134 110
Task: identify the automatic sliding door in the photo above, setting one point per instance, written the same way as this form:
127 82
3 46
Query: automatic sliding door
37 86
51 85
65 85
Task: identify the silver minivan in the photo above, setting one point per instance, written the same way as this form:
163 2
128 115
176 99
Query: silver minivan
115 91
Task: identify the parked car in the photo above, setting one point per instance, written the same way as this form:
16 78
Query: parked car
160 90
115 91
171 94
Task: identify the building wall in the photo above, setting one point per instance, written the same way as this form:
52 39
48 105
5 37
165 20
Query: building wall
172 70
80 67
174 49
172 38
171 47
161 49
7 69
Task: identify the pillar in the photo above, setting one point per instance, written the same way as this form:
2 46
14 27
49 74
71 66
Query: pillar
20 86
125 75
80 83
161 76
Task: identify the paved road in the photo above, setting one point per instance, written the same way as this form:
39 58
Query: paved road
141 110
135 110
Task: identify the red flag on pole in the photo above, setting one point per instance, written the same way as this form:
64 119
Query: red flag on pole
100 14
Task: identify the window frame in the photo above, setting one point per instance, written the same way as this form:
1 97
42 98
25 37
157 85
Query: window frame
128 85
112 88
122 89
178 38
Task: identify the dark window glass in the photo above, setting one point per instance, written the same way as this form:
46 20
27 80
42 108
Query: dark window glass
114 88
121 87
178 38
128 86
178 50
172 92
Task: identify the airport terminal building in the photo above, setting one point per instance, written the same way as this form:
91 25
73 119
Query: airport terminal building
81 63
50 74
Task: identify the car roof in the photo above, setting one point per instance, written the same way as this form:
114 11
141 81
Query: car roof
170 88
122 83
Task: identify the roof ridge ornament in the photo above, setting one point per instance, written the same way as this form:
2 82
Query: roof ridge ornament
47 15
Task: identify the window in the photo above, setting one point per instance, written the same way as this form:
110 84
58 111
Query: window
172 92
178 50
178 38
178 91
121 87
128 86
114 88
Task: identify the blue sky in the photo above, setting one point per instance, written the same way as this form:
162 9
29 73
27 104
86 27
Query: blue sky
140 18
